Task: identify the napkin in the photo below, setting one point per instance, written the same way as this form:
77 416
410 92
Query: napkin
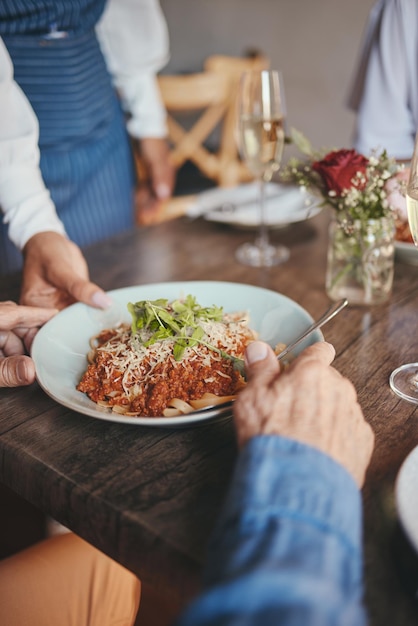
239 205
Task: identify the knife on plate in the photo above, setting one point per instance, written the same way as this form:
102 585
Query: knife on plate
230 207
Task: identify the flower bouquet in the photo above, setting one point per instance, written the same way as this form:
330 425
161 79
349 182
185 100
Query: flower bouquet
358 189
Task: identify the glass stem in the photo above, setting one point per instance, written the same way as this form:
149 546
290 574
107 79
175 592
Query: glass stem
263 237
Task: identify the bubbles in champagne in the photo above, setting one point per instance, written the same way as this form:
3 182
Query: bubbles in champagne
262 143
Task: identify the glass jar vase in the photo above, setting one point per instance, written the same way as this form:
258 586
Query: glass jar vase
360 261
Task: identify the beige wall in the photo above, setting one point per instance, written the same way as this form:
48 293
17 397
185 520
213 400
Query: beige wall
314 42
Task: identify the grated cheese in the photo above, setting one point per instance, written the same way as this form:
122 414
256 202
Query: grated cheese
120 356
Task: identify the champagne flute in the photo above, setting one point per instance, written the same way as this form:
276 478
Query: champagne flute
260 137
404 380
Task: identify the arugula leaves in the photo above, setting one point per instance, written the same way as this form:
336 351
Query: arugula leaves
156 320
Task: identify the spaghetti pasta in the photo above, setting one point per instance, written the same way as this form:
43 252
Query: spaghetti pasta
175 357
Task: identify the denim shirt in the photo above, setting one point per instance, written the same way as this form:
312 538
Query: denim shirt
287 549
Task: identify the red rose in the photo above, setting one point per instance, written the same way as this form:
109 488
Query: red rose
339 168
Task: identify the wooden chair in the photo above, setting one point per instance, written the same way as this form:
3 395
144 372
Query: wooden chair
210 96
206 94
236 65
233 171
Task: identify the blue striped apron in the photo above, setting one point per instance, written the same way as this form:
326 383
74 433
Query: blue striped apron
86 158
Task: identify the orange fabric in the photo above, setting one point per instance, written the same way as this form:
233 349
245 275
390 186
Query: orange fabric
64 581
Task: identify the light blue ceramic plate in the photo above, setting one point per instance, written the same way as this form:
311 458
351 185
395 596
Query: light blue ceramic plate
60 347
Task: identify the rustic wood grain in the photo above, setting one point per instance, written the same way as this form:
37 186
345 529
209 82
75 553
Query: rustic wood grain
149 497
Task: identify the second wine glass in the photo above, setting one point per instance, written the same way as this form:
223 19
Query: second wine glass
261 136
404 380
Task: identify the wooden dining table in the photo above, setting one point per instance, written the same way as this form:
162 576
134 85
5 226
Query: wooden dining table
149 497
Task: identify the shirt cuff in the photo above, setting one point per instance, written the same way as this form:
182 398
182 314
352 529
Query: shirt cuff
32 214
141 99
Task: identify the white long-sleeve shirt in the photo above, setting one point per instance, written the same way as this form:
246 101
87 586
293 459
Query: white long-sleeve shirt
134 39
385 90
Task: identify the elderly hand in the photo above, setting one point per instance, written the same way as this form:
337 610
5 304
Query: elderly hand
159 178
18 326
55 274
310 402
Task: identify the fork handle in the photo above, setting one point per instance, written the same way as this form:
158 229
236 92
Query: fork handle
326 317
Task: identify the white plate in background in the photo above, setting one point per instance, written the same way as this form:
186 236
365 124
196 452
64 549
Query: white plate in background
406 252
238 206
60 347
406 495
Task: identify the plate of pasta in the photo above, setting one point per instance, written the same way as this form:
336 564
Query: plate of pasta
164 355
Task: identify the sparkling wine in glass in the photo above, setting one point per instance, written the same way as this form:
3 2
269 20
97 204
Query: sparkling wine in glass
261 136
404 380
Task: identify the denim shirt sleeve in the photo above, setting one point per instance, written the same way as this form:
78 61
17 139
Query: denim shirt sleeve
287 548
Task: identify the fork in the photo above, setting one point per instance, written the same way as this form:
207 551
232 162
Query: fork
239 364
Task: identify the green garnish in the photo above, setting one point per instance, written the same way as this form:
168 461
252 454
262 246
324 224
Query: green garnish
156 320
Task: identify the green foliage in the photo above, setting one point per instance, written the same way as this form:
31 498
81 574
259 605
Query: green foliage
180 320
365 201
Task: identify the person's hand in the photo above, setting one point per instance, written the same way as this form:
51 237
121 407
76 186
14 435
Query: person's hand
395 188
18 326
158 178
55 274
310 402
155 153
